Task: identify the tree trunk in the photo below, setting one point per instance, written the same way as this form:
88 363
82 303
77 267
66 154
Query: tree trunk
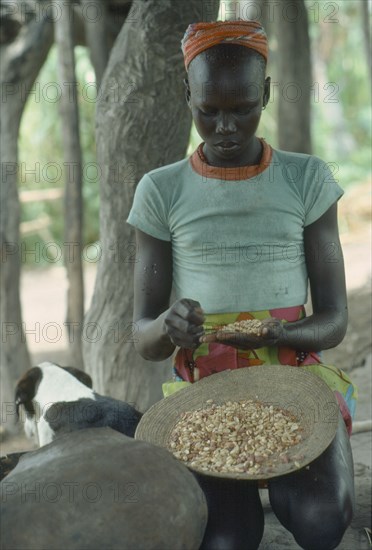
20 63
95 24
294 72
258 10
142 123
25 39
73 211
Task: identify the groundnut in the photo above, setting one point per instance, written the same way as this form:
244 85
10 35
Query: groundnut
216 438
246 326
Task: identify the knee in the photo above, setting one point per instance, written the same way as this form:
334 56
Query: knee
322 527
235 514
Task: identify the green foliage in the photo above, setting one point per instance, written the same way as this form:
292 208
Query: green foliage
341 118
41 151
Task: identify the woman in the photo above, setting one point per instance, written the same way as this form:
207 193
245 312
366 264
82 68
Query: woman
238 230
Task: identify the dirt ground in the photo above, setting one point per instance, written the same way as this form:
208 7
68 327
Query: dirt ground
43 297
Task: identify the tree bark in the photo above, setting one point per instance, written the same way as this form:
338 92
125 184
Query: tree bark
73 210
295 76
142 123
26 35
20 63
96 36
258 10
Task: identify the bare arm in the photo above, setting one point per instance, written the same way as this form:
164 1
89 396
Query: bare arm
161 327
327 326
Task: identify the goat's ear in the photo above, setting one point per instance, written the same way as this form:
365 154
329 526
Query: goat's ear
26 389
82 376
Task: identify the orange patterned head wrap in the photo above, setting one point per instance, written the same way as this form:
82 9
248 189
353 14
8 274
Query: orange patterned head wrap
201 36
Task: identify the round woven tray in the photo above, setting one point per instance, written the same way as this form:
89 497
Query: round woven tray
290 388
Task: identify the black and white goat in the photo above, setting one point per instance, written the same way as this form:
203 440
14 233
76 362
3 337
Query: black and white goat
57 400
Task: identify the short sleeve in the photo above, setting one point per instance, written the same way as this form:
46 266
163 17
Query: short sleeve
320 189
149 212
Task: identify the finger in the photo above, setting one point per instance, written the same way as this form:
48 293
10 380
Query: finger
190 302
207 338
190 310
176 323
184 340
271 329
233 336
196 330
214 335
182 325
269 332
196 316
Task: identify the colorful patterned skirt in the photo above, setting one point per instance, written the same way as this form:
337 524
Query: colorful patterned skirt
192 365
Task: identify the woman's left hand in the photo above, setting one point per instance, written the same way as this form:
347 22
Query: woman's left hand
269 333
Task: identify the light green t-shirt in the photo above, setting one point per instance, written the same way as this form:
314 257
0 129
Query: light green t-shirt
237 245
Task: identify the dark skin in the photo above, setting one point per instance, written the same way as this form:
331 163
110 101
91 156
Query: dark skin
226 100
226 103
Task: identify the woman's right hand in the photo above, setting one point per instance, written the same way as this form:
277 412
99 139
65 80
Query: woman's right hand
183 323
